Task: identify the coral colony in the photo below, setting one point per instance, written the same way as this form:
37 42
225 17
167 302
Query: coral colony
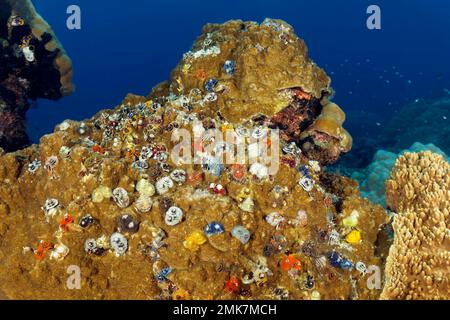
107 195
32 65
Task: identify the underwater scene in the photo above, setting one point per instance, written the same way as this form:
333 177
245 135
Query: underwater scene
224 150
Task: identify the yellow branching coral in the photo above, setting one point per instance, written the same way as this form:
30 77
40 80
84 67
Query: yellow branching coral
418 265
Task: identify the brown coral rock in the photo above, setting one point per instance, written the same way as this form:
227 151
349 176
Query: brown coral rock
124 150
326 136
418 265
269 58
274 80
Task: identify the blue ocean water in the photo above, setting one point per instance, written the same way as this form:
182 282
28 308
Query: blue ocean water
131 46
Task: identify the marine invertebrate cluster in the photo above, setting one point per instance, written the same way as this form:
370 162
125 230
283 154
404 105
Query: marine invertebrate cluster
273 82
419 260
33 65
148 227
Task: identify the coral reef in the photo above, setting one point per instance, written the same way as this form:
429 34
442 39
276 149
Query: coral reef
365 127
33 65
426 121
273 82
419 259
373 178
106 195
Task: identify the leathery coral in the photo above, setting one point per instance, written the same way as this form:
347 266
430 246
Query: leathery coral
418 263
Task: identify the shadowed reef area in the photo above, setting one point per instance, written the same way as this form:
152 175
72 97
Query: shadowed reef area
33 65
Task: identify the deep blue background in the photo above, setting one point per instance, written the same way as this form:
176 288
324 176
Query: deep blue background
130 46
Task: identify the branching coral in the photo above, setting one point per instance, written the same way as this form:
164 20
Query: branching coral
419 260
372 179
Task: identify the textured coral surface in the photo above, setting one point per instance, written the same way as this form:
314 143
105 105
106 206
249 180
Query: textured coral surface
104 195
268 60
372 179
418 265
